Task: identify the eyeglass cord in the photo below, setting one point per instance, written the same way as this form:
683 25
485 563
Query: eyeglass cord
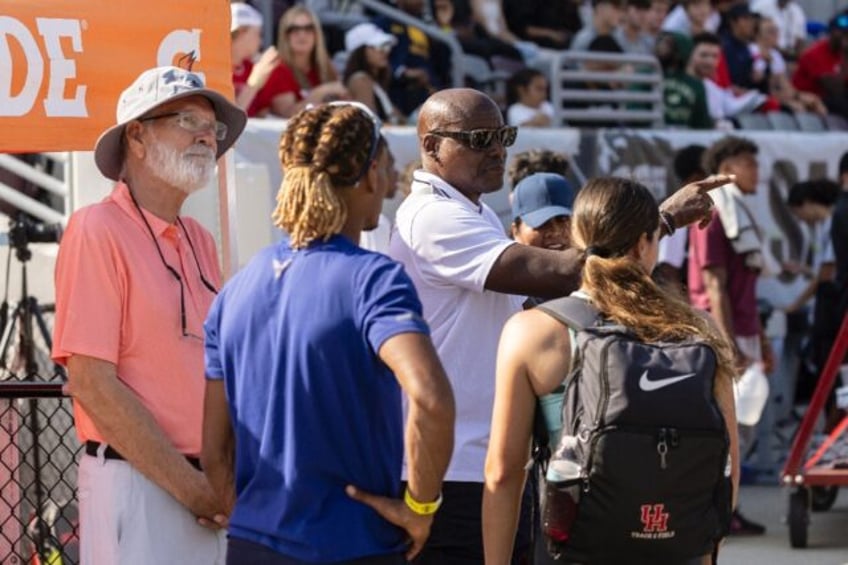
171 269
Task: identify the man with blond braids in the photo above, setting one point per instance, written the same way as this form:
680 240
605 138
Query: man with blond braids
134 280
471 278
307 351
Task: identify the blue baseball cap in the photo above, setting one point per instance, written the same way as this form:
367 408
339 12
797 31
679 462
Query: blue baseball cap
540 197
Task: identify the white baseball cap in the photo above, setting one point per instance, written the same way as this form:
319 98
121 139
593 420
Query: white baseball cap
150 90
367 34
244 15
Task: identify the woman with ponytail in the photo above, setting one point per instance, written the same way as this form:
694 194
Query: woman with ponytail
617 224
307 351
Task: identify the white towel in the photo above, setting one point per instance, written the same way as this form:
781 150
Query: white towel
737 220
742 230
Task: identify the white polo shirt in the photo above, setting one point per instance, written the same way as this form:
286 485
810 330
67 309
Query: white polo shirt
448 245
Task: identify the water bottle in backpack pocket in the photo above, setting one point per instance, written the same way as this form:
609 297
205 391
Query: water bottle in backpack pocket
564 480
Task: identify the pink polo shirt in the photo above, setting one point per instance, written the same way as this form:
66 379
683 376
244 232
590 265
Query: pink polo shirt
116 301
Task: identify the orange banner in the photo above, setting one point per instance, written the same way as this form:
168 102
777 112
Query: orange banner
63 63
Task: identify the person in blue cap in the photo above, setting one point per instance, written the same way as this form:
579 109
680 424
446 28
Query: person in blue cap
541 211
541 215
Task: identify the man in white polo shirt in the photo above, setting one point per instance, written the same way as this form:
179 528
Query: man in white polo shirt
471 278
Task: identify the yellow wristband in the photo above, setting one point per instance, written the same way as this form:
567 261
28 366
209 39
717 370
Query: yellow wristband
422 508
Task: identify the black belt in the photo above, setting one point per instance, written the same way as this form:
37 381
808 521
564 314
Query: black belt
92 448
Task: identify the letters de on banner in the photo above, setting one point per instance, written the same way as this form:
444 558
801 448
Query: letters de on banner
64 64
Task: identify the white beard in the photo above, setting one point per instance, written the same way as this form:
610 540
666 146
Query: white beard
189 171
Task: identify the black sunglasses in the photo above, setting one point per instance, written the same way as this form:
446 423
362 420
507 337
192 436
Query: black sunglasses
481 139
295 28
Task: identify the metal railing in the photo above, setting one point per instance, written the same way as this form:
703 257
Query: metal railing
56 184
637 102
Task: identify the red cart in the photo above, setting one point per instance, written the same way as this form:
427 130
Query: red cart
815 485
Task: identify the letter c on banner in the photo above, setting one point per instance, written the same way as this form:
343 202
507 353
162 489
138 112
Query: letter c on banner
22 103
179 42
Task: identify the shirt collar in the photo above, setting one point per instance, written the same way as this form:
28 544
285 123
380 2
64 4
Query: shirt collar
121 196
422 180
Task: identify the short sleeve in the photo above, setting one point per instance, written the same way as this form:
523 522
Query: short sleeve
709 244
456 245
89 282
387 302
211 358
280 81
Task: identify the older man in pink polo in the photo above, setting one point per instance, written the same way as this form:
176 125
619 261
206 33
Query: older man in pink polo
134 281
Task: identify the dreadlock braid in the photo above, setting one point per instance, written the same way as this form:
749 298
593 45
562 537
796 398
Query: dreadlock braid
321 151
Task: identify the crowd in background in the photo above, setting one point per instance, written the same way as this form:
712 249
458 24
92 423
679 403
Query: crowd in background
719 58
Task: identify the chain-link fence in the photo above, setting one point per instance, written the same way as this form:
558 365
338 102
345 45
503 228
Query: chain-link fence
38 446
38 474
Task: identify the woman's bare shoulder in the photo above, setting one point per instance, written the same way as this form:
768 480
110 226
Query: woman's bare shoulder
536 330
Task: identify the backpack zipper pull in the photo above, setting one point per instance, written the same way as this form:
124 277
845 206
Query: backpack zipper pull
662 447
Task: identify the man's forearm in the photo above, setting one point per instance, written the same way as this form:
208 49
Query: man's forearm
559 277
429 441
130 429
218 455
219 469
532 271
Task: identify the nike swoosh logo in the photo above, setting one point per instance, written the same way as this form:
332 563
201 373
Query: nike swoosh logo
650 386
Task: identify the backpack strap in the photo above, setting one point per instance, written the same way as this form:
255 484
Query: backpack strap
576 313
541 452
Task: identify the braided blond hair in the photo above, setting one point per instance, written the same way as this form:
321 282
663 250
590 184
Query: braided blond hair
322 151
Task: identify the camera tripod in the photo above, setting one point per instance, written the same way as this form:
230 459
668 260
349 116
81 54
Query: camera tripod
26 317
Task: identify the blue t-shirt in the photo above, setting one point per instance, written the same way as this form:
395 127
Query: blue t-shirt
294 336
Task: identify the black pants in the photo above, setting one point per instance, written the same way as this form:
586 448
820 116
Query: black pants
243 552
457 534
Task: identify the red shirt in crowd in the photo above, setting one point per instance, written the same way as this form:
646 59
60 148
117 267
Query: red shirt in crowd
281 81
817 61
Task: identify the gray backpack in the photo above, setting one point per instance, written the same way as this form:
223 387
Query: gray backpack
641 424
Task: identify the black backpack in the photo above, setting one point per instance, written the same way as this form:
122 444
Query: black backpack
643 425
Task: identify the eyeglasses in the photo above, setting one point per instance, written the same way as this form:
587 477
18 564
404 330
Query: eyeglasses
209 286
306 28
193 123
481 139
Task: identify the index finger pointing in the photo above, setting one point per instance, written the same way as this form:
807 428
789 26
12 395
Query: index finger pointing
714 181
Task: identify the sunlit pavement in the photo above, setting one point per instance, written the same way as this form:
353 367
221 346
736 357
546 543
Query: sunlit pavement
827 534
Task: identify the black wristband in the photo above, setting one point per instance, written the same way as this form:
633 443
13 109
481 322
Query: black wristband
667 222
